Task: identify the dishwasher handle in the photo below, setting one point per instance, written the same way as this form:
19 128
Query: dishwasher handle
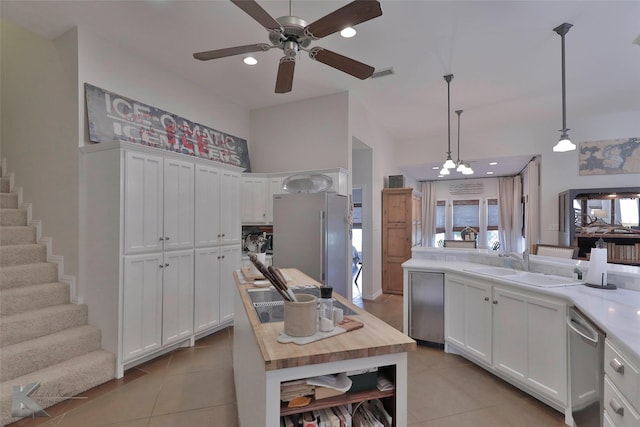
582 328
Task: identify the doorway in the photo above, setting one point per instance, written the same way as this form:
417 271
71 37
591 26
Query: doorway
356 242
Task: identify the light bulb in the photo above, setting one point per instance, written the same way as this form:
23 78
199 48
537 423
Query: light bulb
564 144
250 60
449 164
348 32
444 171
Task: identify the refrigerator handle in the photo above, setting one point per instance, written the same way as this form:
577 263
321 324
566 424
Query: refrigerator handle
322 241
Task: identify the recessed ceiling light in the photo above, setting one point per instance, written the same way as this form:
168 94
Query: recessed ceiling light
440 176
493 163
348 32
250 60
490 173
435 168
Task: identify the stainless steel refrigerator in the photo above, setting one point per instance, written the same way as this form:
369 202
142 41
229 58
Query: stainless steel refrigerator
311 233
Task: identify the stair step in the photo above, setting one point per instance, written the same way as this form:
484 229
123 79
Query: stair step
37 323
5 184
17 235
13 217
9 200
69 378
30 274
33 297
29 356
22 254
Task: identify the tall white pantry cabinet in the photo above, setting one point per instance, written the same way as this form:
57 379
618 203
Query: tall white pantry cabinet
160 237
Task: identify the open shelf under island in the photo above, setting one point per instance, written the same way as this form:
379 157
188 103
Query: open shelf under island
261 364
622 248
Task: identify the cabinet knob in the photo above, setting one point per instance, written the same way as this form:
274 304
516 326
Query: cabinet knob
486 298
223 234
219 236
495 301
161 266
617 407
161 239
166 265
617 366
222 257
166 238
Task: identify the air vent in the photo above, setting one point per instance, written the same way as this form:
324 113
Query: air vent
382 73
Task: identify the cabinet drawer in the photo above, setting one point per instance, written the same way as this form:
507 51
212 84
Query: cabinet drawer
618 409
624 374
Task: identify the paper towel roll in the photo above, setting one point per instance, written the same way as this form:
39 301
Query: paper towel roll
597 273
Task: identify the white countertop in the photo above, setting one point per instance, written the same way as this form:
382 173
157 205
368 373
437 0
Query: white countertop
616 312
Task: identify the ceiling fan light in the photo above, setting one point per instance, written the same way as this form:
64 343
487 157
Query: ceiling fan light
444 171
449 163
564 144
250 60
348 32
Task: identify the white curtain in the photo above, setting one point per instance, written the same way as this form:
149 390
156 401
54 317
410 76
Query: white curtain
532 228
428 213
510 213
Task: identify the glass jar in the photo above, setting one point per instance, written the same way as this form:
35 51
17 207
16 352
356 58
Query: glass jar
325 309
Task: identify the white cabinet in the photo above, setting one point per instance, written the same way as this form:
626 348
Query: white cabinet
530 339
141 305
254 199
468 316
144 213
217 206
158 203
214 285
621 387
517 334
177 296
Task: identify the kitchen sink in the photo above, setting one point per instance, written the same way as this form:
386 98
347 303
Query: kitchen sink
269 305
525 277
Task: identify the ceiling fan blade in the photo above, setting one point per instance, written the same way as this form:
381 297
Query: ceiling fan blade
342 63
256 11
284 81
231 51
352 14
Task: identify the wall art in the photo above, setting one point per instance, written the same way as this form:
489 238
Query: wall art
609 157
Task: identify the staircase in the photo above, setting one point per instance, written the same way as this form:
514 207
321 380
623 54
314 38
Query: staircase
44 338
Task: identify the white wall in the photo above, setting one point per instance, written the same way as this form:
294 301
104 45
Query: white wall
40 131
303 135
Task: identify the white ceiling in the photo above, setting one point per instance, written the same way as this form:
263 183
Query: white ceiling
504 55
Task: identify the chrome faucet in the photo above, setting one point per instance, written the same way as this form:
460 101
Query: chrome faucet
524 260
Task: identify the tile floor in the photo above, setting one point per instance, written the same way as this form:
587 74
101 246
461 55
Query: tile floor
194 387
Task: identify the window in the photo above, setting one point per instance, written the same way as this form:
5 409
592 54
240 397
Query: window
481 215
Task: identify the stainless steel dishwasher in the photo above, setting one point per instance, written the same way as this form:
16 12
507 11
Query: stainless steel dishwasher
586 364
426 308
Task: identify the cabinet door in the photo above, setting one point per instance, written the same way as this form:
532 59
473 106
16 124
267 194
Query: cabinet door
207 206
177 296
207 289
254 200
230 260
142 203
230 219
478 322
274 187
510 333
454 312
547 347
142 305
178 204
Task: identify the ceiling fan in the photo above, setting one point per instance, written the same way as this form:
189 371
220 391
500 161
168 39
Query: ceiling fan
292 34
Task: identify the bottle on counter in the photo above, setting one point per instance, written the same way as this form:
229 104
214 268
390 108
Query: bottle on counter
325 309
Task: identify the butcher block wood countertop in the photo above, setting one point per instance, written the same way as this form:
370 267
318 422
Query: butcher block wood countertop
374 339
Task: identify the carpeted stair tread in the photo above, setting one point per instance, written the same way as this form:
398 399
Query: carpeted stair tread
33 297
13 217
22 254
69 378
9 200
37 323
28 274
5 184
20 359
17 235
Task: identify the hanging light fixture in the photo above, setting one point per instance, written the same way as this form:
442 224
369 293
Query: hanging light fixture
565 143
463 167
449 163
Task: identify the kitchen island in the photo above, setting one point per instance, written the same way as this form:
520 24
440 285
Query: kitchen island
261 364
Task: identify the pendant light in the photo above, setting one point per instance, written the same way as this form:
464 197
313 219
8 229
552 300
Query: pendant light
449 163
463 167
565 143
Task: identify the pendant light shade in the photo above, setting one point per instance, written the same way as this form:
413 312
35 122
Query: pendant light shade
565 143
449 163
